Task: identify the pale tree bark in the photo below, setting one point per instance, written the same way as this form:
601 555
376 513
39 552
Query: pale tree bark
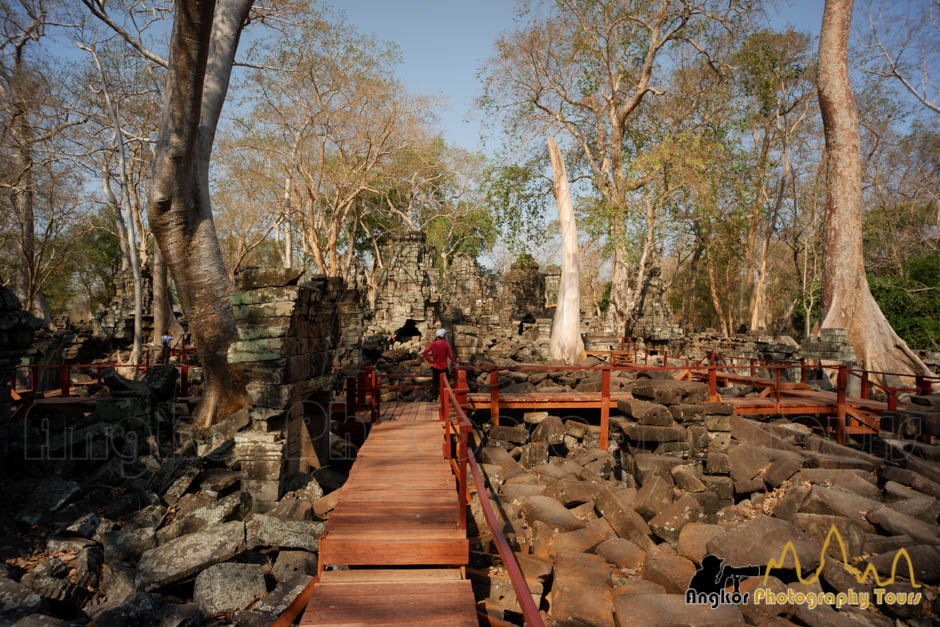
202 51
565 342
23 137
162 303
847 300
131 233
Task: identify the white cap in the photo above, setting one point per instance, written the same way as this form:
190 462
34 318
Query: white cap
440 333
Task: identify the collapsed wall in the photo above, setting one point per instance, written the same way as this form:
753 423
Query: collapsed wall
16 336
287 332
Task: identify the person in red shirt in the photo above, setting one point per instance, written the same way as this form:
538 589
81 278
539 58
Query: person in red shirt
441 351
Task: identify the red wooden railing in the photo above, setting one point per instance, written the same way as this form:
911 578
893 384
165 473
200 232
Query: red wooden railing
64 382
457 425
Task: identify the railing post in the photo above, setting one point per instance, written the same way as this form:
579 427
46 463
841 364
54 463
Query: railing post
802 370
445 417
865 384
462 389
712 378
777 387
376 397
892 399
184 380
65 380
33 380
751 360
841 380
605 407
350 396
494 397
665 358
361 386
442 406
464 495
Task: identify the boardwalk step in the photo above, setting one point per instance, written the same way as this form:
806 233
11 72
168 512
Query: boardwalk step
402 602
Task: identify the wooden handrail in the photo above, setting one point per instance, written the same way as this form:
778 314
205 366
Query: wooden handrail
64 378
297 605
463 426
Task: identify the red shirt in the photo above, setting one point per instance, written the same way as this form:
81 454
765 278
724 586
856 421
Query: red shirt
441 350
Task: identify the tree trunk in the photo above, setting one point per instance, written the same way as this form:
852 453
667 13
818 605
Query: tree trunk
288 255
131 234
160 305
566 342
202 51
847 300
618 305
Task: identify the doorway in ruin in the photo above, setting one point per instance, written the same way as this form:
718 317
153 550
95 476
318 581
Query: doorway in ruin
526 319
407 331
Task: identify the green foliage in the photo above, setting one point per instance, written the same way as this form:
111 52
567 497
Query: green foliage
768 61
515 194
604 301
912 303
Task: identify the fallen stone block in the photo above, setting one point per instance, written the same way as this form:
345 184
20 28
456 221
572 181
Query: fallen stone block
912 480
517 434
818 527
670 391
645 412
581 593
229 587
621 553
781 470
48 497
669 522
925 509
653 497
763 538
262 530
899 523
925 561
280 598
666 568
551 512
291 563
653 610
857 481
837 502
694 538
187 555
574 492
623 519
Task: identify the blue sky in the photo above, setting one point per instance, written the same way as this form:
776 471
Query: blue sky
444 43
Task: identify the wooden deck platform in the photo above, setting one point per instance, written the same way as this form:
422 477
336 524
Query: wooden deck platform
399 508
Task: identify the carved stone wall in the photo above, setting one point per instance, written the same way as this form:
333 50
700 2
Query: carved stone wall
288 332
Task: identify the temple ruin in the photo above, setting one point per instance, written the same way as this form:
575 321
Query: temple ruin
128 512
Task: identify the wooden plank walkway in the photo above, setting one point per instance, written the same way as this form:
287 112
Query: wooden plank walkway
399 508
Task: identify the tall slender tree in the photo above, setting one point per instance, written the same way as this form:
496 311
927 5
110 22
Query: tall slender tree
565 342
202 51
847 299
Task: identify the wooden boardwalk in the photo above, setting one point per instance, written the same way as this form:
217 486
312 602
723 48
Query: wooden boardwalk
397 510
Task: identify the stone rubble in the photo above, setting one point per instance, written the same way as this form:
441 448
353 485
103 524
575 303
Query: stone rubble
619 533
